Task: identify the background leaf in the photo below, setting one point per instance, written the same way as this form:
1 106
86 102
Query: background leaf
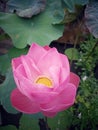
69 10
8 85
36 116
5 90
26 8
70 4
91 17
57 11
15 52
4 64
5 60
38 29
9 127
60 122
27 123
72 53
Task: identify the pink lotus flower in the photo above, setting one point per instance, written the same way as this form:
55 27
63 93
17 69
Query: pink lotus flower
44 82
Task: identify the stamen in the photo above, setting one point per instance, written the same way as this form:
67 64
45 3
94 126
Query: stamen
45 81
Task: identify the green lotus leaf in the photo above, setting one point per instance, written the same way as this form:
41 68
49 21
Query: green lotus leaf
38 29
28 123
5 91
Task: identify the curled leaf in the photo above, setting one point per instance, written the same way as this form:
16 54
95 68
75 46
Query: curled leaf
26 8
91 18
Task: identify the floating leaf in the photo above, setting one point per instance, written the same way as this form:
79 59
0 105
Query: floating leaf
5 60
91 17
57 11
60 122
5 90
26 8
4 64
72 53
27 123
15 52
36 116
9 127
8 85
38 29
71 10
66 11
70 4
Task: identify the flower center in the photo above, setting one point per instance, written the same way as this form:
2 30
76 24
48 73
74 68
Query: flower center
45 81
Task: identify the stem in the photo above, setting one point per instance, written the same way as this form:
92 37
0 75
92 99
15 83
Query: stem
75 43
47 127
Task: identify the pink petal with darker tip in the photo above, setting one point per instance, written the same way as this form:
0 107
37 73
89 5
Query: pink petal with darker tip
22 103
74 79
44 97
47 47
65 99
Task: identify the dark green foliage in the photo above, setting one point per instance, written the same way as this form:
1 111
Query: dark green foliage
91 17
